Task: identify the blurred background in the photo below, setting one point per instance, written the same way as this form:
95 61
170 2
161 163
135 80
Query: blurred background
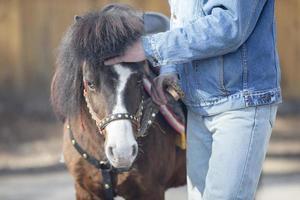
30 135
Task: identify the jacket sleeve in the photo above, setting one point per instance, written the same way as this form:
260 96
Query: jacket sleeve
225 27
168 70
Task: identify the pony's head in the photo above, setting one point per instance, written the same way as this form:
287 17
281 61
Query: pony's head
93 38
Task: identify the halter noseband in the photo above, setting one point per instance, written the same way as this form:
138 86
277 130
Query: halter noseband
136 118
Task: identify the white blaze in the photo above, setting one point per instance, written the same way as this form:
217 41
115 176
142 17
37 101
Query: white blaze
119 133
124 75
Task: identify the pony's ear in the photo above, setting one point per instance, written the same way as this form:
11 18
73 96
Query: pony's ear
77 18
54 99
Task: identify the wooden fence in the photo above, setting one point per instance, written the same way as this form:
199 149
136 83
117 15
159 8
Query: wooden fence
288 26
30 31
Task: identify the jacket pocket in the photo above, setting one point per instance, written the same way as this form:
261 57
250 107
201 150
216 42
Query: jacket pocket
222 77
207 77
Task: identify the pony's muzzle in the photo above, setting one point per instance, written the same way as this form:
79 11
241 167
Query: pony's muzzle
122 156
121 147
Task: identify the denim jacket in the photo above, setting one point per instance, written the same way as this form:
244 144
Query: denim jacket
224 52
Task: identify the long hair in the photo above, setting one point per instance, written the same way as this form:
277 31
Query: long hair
93 38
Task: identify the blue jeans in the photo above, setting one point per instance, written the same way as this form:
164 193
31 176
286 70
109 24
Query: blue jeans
225 152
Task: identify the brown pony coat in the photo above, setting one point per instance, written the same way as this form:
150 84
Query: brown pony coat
160 164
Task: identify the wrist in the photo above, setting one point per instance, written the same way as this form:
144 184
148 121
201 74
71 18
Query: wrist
149 50
167 70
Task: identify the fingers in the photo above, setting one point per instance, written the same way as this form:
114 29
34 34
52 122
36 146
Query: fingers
157 92
174 78
160 91
154 96
113 61
134 53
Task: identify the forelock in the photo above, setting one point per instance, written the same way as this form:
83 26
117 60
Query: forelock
107 33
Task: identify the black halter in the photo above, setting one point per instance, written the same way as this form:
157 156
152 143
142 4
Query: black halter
102 123
103 166
143 119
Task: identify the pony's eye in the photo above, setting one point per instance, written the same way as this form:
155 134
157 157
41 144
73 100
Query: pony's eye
139 82
91 85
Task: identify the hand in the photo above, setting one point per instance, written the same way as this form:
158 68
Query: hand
158 86
134 53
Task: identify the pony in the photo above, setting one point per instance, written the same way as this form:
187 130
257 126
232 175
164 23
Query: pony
102 108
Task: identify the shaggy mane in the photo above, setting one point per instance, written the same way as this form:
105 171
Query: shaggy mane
94 37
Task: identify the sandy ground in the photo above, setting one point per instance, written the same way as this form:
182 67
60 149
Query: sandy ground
58 186
281 178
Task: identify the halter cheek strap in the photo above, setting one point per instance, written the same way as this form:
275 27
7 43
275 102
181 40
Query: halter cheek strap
136 119
107 171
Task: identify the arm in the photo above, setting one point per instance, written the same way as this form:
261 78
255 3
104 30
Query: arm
224 29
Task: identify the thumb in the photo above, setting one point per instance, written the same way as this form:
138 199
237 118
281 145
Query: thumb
113 61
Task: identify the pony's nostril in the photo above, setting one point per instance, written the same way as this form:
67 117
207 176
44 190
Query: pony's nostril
110 151
134 150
